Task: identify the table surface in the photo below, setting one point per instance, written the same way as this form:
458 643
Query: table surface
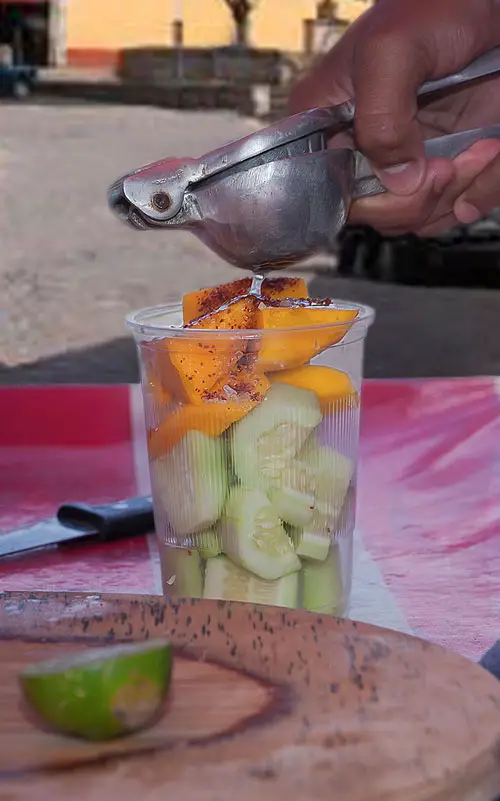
427 556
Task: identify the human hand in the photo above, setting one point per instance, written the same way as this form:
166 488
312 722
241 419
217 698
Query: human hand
381 61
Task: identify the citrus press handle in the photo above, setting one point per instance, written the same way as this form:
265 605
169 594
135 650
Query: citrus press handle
487 64
315 126
159 189
448 147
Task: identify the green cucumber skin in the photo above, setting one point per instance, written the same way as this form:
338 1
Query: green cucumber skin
310 544
191 482
228 582
208 543
322 585
209 553
182 572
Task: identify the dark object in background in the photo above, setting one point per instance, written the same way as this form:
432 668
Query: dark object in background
467 256
17 81
491 660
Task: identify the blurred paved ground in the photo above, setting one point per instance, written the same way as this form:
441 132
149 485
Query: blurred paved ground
69 272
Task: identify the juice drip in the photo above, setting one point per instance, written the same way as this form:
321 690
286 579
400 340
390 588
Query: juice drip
254 291
256 286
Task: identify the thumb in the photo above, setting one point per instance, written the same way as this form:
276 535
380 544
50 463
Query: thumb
386 76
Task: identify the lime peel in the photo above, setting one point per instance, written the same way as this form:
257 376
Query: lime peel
101 693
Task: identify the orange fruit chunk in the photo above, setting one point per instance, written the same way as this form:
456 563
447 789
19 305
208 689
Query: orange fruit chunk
161 378
330 385
201 363
239 313
230 400
284 287
295 348
211 419
242 385
205 301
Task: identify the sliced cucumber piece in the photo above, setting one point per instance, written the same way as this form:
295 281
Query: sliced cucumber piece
209 553
330 474
292 505
210 543
226 581
253 535
310 490
311 543
190 483
182 572
322 587
265 441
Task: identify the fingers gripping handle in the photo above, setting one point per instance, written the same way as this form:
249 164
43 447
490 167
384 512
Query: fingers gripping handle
447 147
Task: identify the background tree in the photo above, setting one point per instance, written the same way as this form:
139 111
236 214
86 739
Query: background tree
241 11
327 9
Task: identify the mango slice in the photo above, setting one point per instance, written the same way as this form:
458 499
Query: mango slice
211 419
205 301
294 349
239 313
283 288
241 385
160 376
230 400
202 363
330 385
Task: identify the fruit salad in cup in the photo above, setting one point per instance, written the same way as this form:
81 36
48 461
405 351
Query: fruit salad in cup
252 441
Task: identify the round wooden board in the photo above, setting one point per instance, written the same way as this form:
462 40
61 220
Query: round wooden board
266 704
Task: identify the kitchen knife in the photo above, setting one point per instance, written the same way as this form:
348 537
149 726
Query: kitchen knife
81 522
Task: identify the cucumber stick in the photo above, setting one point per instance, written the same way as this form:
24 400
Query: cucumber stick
291 501
253 535
226 581
310 490
190 483
332 473
310 543
208 543
182 572
267 438
209 553
322 587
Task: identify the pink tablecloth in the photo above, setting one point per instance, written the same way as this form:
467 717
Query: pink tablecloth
428 538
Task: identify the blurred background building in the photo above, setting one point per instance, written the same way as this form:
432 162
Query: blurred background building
94 33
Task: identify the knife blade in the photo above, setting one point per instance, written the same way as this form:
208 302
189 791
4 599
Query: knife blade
81 522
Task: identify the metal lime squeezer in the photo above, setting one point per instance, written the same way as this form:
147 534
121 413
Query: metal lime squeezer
281 194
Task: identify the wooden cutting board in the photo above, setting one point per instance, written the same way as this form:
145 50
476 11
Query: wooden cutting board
266 704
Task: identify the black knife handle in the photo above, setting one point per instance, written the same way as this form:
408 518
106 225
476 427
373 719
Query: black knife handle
111 521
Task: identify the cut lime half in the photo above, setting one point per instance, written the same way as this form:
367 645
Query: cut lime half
103 692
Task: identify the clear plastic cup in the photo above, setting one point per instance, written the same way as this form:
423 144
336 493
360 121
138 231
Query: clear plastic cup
253 446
